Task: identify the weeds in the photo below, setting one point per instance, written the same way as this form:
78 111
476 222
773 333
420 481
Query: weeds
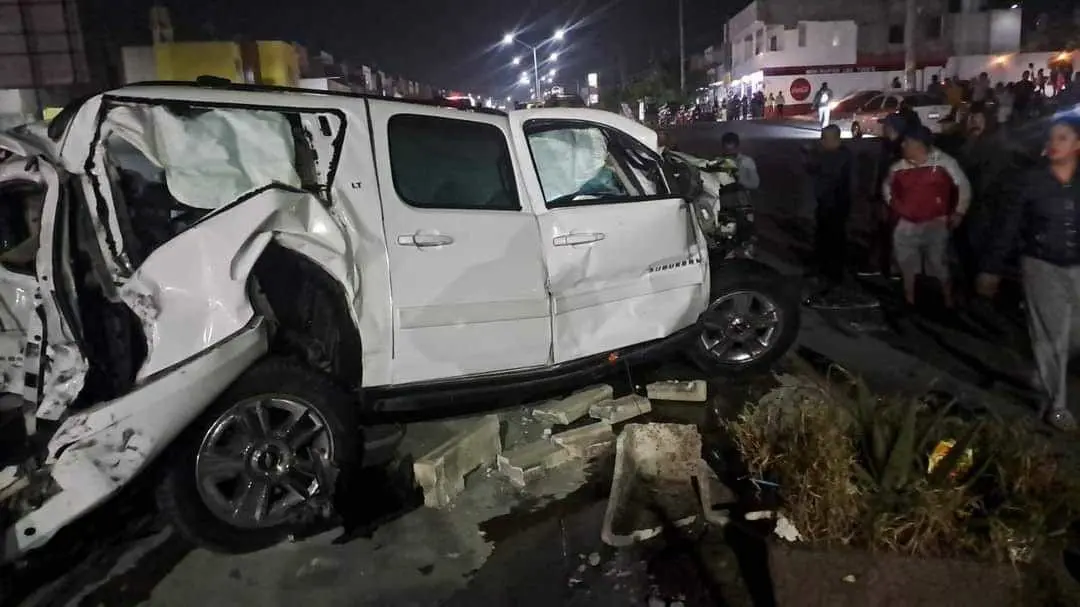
855 468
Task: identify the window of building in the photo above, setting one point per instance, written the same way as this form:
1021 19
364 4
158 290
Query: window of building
896 34
447 163
774 43
748 47
759 40
584 164
932 27
955 6
802 34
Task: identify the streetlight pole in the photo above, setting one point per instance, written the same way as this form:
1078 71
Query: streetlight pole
682 52
558 35
911 13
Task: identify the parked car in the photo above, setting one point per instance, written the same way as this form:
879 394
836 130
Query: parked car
867 120
229 281
846 106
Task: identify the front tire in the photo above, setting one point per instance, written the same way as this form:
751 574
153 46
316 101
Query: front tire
752 322
249 471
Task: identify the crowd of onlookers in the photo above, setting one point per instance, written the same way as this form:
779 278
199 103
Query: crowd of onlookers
968 207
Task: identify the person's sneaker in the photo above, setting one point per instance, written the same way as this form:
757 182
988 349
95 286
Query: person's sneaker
1061 420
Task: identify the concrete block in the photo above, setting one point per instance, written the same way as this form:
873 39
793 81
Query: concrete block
441 472
686 391
621 409
587 442
566 410
529 462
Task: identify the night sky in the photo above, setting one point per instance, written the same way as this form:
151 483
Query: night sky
452 43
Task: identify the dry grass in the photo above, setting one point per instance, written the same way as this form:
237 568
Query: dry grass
851 468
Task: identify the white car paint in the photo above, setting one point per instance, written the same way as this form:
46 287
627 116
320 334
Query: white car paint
495 290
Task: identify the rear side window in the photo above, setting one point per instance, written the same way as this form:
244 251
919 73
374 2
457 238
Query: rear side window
445 163
874 104
891 103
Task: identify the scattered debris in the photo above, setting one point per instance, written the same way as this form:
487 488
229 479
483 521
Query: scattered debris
529 462
759 515
573 407
676 390
441 472
849 578
621 409
587 442
655 601
786 530
594 559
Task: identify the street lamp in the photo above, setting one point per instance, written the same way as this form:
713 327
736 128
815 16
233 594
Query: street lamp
553 56
512 38
551 74
516 61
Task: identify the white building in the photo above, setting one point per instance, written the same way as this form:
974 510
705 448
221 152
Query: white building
790 46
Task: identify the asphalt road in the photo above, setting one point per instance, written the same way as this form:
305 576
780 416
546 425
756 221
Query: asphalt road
500 546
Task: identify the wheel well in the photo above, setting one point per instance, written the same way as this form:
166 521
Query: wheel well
309 312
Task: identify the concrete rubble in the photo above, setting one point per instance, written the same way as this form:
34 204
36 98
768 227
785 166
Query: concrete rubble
567 410
587 442
531 461
621 409
441 471
677 390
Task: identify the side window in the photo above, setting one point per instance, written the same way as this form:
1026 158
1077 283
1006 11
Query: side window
448 163
891 103
580 164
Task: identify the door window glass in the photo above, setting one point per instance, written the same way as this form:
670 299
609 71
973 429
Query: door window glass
891 103
874 104
582 164
446 163
20 225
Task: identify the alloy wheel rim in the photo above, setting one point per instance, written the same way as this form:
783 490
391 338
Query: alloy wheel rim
741 327
259 461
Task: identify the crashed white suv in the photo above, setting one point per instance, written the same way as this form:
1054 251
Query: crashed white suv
233 280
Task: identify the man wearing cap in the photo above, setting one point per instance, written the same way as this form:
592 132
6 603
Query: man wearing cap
919 190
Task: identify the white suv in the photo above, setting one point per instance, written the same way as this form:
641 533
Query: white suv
239 278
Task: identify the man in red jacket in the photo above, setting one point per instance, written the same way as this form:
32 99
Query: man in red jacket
920 189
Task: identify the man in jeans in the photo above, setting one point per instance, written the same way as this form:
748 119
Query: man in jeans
919 189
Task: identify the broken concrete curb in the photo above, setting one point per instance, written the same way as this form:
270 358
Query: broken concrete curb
662 460
574 407
680 391
587 442
441 472
621 409
529 462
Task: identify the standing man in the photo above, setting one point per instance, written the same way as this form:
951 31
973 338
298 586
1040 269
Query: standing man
980 89
919 190
1042 218
822 99
831 169
780 104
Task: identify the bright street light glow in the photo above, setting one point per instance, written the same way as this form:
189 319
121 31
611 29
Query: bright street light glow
551 74
524 81
559 34
508 38
525 74
509 98
553 57
517 61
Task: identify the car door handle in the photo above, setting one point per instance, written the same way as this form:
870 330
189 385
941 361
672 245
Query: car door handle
569 240
424 240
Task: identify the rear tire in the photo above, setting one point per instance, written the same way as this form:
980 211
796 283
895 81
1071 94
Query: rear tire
241 476
752 321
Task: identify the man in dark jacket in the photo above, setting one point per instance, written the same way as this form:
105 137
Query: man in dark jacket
1042 221
830 168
